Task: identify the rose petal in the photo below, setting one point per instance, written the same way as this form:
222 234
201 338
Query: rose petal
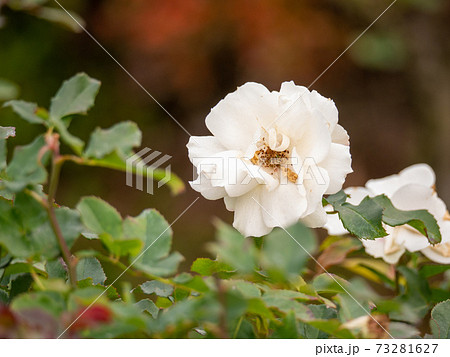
236 118
248 216
338 164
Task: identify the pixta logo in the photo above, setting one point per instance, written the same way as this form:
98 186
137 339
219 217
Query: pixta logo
146 163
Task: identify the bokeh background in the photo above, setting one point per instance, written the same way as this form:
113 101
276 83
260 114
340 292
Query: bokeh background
392 88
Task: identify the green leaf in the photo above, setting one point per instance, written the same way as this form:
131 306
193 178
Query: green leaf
324 283
27 111
287 303
155 233
55 269
320 313
91 268
76 96
157 287
196 283
116 162
48 301
121 247
25 229
440 320
26 168
233 249
363 221
421 220
149 306
248 290
208 267
416 299
76 144
122 138
285 254
21 284
332 327
428 271
287 329
6 132
100 217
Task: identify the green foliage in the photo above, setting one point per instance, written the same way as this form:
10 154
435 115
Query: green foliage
125 281
28 111
365 220
26 229
121 138
91 268
421 220
107 148
440 320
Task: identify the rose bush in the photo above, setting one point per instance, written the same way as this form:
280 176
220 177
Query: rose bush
125 281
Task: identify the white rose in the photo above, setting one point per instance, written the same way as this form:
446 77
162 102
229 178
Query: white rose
411 189
272 156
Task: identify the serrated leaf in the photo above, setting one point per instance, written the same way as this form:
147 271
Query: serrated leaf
287 304
26 168
121 247
155 233
122 138
285 254
76 96
55 269
324 283
91 268
27 111
26 231
364 220
208 267
149 306
233 249
440 320
320 313
421 220
157 287
100 217
248 290
428 271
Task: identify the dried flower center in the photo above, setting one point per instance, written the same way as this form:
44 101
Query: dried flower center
274 156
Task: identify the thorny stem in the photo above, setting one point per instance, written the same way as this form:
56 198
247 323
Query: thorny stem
53 185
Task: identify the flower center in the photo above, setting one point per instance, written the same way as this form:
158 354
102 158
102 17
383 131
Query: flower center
273 155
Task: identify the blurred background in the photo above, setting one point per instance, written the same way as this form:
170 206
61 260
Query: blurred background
392 88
